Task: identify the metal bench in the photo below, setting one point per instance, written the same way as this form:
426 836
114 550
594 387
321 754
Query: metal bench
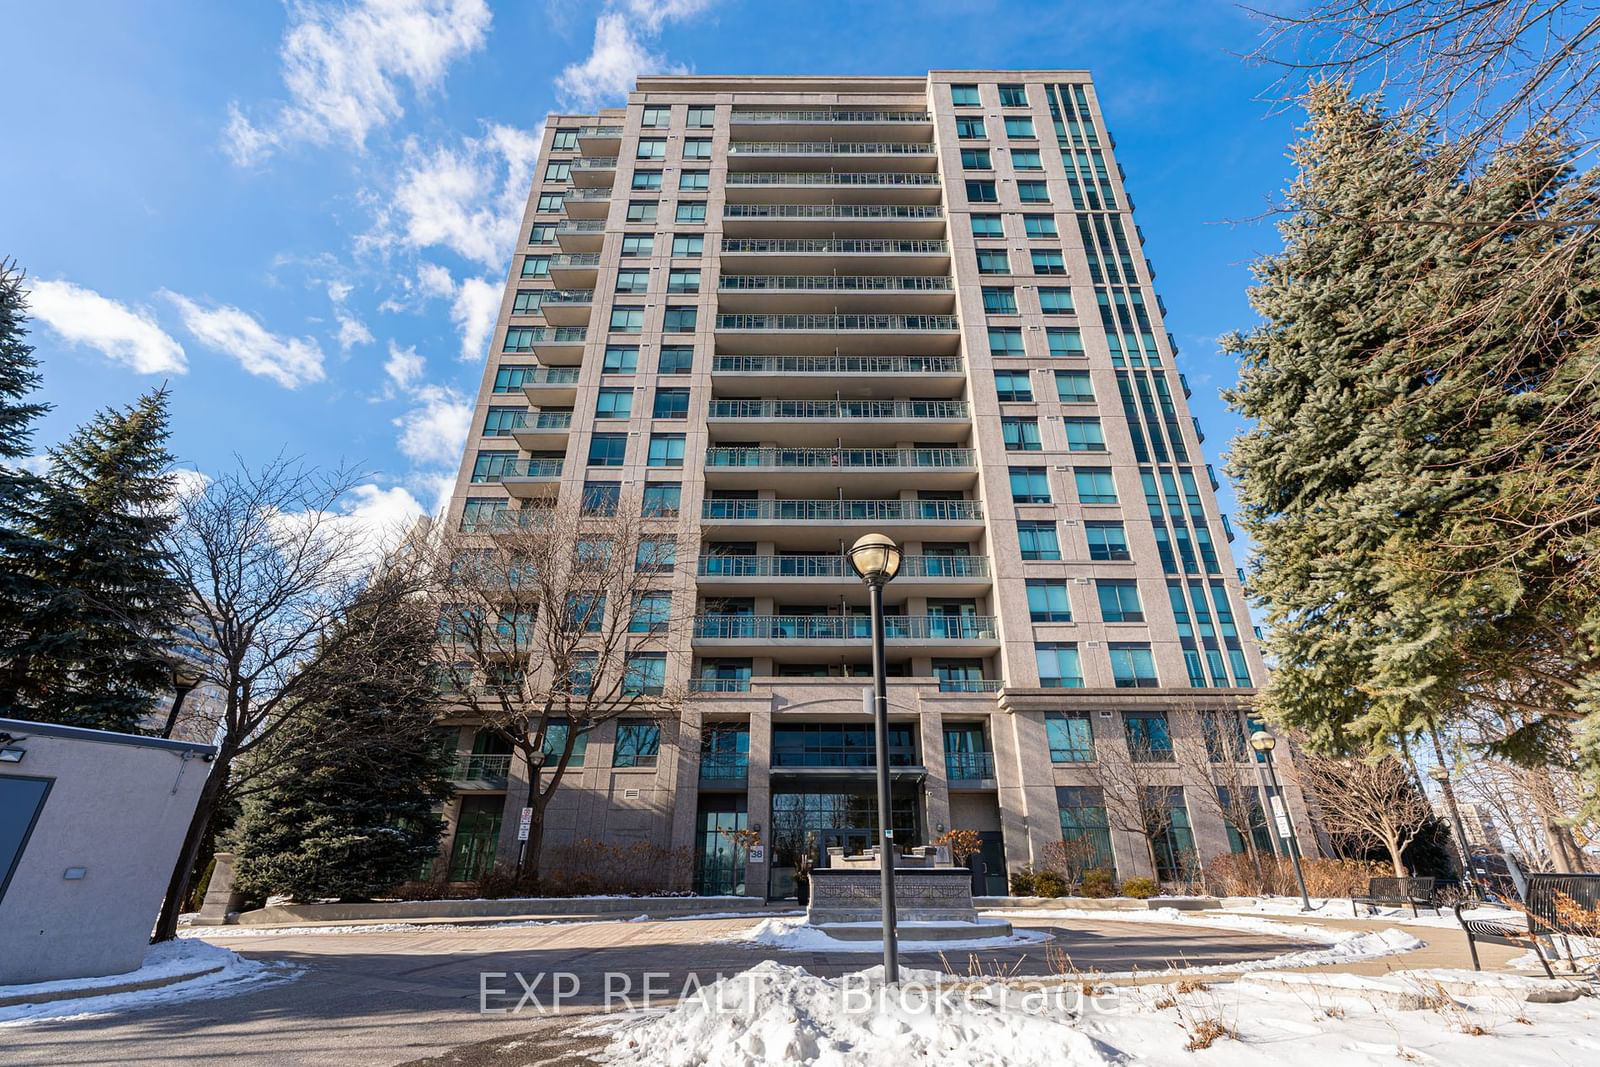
1412 892
1558 905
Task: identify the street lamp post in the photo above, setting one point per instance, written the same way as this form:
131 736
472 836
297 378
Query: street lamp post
876 559
1441 774
1264 743
184 679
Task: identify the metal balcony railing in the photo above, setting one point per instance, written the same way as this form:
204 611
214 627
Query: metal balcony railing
836 365
599 131
552 376
559 334
838 283
831 116
823 246
478 768
970 685
581 226
854 511
542 420
724 766
898 323
587 194
832 211
568 296
843 627
595 163
839 457
814 177
838 409
836 566
719 685
534 468
969 766
829 148
575 259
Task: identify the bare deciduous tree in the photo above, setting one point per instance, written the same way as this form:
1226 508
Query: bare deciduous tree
1370 802
1137 792
1225 781
553 623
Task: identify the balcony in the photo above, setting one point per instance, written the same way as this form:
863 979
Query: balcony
575 270
916 156
815 293
537 430
471 770
567 307
798 124
723 766
756 634
971 685
822 469
845 334
719 685
590 203
594 171
826 523
600 140
581 235
926 220
822 256
865 421
856 375
561 345
552 385
778 575
532 478
969 767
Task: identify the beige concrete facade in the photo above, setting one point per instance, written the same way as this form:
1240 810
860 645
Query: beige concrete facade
867 288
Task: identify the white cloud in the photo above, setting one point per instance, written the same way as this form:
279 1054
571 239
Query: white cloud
476 306
435 431
617 59
344 64
289 361
653 13
404 366
434 280
377 519
352 331
126 335
337 291
467 198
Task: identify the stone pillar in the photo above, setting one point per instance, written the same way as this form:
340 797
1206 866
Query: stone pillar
222 902
936 790
758 797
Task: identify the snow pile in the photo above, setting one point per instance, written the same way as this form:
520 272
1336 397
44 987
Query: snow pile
228 975
796 935
1339 908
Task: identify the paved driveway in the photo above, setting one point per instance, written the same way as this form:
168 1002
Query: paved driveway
392 998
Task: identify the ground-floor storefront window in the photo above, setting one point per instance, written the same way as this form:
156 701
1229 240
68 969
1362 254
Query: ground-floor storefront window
807 824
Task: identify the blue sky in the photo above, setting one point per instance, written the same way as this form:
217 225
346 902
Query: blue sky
301 216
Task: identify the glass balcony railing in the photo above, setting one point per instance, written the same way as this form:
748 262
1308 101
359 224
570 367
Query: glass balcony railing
575 259
829 148
824 246
534 468
587 194
852 511
836 365
558 335
840 457
836 566
568 296
551 376
832 116
599 131
581 226
897 323
844 627
719 685
724 766
833 283
595 163
542 420
479 768
817 177
838 409
832 211
970 685
969 766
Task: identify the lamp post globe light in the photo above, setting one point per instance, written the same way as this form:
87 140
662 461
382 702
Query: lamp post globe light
185 678
1264 743
876 559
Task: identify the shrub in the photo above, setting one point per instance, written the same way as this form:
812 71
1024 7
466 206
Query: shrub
1051 884
1097 882
1140 888
1240 875
1024 882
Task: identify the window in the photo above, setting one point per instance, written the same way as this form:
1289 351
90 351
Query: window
970 128
1148 736
1012 385
558 172
976 159
510 378
1047 261
1108 541
680 320
1055 301
697 148
1071 737
633 280
694 180
656 118
627 318
542 233
1020 434
651 612
1082 809
638 244
484 513
1026 159
646 179
565 140
651 148
702 118
1119 600
1074 387
585 612
1029 485
1065 342
691 211
666 450
1013 96
1132 667
1058 666
638 741
1094 485
607 449
655 555
492 466
1033 192
1040 225
1005 341
982 192
964 96
555 734
987 226
550 202
683 281
499 422
646 672
600 498
1038 541
685 245
671 404
614 404
1019 126
519 339
1084 435
642 210
993 261
675 359
536 266
527 301
999 301
662 500
1047 600
620 359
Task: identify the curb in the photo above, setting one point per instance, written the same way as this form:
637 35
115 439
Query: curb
105 990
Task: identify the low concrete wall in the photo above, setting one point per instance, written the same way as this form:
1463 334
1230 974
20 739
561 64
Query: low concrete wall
1097 903
553 907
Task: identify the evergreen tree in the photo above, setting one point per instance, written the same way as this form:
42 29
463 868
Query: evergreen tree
21 589
347 808
97 650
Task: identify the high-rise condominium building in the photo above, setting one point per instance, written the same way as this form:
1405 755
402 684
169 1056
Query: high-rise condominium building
779 313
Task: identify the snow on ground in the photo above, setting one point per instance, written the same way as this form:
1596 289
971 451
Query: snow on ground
1339 908
774 1014
235 974
213 932
796 935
